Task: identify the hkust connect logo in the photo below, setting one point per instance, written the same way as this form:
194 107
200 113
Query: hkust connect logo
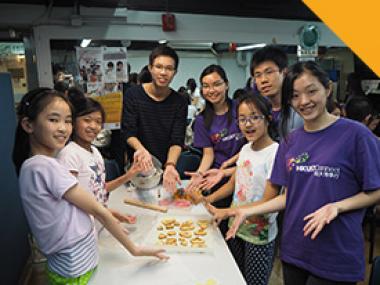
318 170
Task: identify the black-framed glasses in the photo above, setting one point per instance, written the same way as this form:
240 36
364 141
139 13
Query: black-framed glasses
251 119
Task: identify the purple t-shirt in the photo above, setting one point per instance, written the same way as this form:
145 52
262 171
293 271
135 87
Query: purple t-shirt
319 168
225 139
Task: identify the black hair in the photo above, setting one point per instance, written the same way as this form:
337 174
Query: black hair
358 108
238 93
262 104
85 105
331 104
31 105
295 71
354 87
133 78
61 86
191 85
163 50
269 53
119 62
144 76
182 91
208 113
110 64
73 93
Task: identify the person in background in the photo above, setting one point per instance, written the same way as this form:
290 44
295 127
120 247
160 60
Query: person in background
253 248
196 98
216 132
354 86
84 160
326 189
360 109
238 93
57 209
191 110
154 117
333 107
144 76
133 79
61 86
268 69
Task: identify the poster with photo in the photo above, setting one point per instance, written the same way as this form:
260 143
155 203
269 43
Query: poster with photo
115 64
102 73
90 61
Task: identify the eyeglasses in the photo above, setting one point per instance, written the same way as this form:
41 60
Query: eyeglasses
214 86
161 67
251 119
267 73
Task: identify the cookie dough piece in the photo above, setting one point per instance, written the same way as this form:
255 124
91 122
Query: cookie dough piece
161 236
171 241
169 226
200 232
198 242
187 227
171 233
168 221
185 234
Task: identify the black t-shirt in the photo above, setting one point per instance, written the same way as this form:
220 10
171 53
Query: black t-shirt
157 125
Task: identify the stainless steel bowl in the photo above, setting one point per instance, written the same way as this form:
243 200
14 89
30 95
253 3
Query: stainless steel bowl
147 182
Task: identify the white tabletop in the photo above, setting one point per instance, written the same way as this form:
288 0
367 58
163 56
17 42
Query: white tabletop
117 266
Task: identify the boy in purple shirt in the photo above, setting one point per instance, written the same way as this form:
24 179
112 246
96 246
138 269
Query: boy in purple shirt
331 172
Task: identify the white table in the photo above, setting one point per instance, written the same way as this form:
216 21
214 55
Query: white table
117 266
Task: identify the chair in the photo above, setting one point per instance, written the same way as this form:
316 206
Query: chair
188 161
374 278
112 169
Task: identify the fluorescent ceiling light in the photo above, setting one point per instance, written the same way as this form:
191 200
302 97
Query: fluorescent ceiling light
162 41
191 45
85 43
248 47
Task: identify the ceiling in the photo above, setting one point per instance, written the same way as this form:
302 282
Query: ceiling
277 9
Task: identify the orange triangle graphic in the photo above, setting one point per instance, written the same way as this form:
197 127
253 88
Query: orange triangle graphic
355 23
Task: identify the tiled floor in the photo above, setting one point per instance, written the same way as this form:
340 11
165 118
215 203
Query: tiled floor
37 276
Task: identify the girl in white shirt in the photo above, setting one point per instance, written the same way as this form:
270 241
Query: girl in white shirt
85 161
253 248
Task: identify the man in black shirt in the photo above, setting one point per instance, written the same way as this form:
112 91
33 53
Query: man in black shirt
154 117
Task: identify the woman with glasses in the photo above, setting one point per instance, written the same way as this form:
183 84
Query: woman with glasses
215 130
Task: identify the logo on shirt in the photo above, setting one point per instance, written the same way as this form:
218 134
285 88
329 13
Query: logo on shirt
217 137
223 136
303 157
316 169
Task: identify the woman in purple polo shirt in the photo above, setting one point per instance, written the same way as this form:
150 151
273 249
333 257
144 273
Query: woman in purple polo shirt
330 169
215 129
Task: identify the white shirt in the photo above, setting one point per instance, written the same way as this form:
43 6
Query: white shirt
90 168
